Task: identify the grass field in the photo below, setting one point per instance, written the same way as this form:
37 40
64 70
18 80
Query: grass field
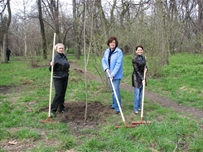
25 90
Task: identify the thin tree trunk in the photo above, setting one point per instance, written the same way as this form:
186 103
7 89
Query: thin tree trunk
5 34
103 19
200 24
76 31
4 58
42 30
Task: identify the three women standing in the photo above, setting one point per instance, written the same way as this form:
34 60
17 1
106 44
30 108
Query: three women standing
112 63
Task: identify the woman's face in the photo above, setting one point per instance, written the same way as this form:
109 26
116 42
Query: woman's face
139 51
112 44
60 48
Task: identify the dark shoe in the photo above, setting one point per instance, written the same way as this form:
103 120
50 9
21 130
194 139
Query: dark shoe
62 112
53 114
111 106
117 112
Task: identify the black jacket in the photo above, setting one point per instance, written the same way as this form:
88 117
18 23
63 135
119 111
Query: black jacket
139 63
61 66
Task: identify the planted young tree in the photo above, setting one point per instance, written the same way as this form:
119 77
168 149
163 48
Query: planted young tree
87 51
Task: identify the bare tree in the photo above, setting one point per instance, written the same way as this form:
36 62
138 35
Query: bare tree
76 30
42 30
5 29
51 9
200 24
104 22
78 22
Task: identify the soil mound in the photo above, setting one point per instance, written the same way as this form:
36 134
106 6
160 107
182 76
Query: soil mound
75 113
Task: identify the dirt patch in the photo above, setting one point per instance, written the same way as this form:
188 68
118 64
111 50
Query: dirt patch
74 114
6 89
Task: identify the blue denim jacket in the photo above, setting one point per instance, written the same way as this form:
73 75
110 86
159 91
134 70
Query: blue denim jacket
116 63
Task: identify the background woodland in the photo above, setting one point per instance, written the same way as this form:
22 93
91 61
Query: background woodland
163 27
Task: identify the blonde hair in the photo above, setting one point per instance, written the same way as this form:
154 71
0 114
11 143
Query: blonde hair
58 44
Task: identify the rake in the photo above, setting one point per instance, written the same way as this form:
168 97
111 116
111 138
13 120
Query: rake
142 109
127 126
51 80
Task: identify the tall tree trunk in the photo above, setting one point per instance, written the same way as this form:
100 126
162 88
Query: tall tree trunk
5 44
42 30
76 31
55 12
103 19
161 31
112 18
200 24
25 28
5 37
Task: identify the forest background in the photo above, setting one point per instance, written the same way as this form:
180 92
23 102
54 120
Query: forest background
163 27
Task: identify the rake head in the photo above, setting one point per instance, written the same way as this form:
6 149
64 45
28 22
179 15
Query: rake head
48 120
140 122
126 126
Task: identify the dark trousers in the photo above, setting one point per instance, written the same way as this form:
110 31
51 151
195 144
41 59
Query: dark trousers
60 91
8 56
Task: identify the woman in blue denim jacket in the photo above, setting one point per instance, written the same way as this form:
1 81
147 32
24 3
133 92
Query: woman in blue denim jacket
112 63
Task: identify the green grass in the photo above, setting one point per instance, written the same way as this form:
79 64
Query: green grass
29 92
181 80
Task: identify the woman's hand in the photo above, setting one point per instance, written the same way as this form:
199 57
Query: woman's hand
110 76
143 82
51 63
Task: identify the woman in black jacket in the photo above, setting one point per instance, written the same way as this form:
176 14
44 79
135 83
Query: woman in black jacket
60 76
139 66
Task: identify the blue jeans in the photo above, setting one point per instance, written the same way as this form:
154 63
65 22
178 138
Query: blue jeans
116 83
137 98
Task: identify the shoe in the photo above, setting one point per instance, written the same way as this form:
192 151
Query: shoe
136 112
117 112
139 109
62 111
53 114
